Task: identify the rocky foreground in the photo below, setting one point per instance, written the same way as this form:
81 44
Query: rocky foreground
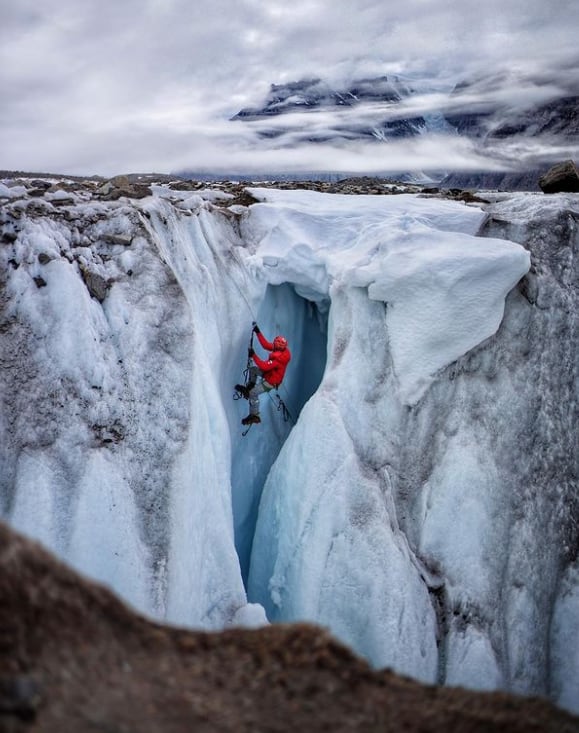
53 189
563 177
74 658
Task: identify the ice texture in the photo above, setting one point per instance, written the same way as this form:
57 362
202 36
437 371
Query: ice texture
445 288
421 502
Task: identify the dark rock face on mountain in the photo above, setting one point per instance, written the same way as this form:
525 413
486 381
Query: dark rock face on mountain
526 180
480 108
560 117
311 95
563 177
74 658
314 93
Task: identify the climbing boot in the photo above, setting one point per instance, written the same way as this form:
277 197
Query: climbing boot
243 390
251 420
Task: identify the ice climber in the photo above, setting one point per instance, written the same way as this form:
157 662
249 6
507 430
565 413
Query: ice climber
265 375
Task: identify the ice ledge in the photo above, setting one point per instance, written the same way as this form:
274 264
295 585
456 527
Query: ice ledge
445 288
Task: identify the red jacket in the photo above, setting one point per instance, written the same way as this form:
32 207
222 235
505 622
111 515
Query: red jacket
274 368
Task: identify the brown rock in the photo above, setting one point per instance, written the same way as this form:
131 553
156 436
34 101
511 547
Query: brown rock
561 178
121 186
20 696
131 192
122 239
74 658
120 181
96 284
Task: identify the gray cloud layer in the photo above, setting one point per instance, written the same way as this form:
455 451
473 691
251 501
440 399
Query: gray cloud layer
108 86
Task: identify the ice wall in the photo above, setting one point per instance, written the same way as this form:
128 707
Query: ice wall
469 491
121 333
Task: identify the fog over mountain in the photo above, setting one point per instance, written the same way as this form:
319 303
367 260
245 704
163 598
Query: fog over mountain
508 123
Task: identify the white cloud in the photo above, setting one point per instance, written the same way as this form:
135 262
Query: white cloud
105 86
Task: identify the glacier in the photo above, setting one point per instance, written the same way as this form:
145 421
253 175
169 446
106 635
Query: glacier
421 501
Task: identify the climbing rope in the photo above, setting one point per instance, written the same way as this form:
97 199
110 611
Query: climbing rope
282 407
240 291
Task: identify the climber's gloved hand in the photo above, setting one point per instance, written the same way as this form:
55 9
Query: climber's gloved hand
250 352
256 328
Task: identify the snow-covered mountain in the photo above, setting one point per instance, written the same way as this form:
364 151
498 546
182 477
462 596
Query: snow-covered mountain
511 124
421 502
372 100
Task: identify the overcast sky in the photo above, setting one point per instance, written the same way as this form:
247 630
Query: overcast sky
112 86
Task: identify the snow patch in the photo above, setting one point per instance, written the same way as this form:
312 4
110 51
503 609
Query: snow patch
250 616
12 192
